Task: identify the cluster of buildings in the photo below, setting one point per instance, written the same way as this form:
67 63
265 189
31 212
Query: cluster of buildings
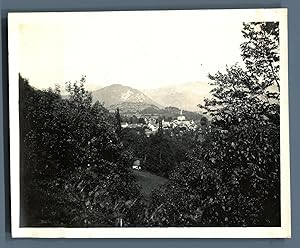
152 124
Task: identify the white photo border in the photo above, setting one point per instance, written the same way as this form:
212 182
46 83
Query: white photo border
243 15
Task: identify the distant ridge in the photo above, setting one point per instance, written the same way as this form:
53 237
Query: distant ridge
184 96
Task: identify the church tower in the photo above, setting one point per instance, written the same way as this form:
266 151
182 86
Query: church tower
181 117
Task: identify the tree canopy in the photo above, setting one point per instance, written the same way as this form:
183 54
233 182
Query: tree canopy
75 170
232 178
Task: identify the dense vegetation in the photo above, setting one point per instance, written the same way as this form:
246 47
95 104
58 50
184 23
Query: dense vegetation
74 168
233 177
161 152
76 158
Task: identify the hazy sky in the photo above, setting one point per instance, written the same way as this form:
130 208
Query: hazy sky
139 49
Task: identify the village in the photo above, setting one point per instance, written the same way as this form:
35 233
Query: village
152 123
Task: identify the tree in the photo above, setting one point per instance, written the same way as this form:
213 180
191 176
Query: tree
164 152
260 52
204 121
169 119
134 119
160 153
134 141
118 122
232 178
246 116
75 170
141 120
159 125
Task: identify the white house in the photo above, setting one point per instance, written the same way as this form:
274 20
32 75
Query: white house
152 127
124 124
136 165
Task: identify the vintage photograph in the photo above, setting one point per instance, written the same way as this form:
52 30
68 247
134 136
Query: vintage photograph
149 124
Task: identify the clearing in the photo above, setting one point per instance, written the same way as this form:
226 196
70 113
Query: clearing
148 182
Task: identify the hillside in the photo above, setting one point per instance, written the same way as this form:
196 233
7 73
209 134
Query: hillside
116 94
132 107
171 112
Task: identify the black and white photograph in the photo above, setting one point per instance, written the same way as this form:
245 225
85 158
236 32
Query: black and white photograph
149 124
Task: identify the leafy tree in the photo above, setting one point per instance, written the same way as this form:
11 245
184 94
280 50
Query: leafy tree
260 52
232 178
160 154
75 170
204 121
141 120
118 122
164 152
134 141
169 119
134 119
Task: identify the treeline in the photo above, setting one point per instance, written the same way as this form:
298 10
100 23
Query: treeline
74 168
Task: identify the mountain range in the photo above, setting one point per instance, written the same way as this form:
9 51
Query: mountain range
185 96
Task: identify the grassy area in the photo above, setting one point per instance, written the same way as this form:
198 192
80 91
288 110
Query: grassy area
148 182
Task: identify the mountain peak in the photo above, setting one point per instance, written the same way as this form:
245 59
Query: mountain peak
115 86
117 93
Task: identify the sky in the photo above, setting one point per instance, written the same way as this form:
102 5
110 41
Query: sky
144 50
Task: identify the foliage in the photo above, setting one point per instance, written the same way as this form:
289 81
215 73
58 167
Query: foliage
75 169
260 52
232 178
159 153
134 141
118 123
